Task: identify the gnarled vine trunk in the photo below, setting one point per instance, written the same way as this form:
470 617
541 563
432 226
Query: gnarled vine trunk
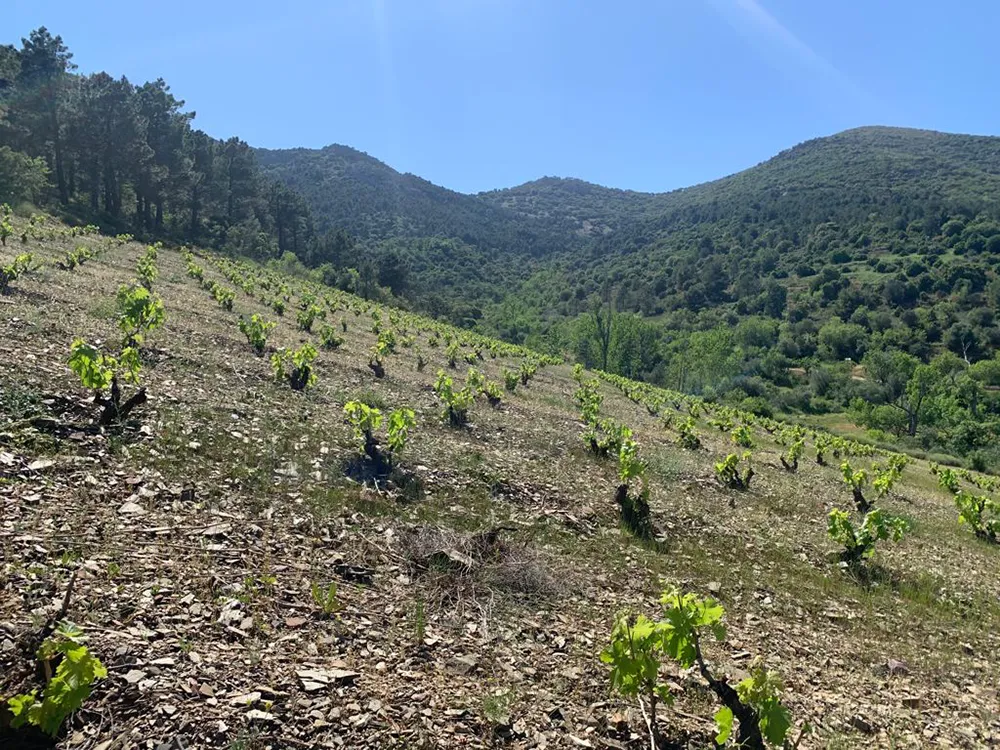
860 500
115 411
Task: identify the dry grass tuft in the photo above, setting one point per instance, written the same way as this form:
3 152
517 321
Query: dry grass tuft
457 563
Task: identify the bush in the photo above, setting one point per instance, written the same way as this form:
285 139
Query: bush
527 372
15 270
146 269
364 420
743 436
728 473
757 405
790 460
456 404
588 397
633 507
856 480
494 396
295 366
979 460
328 337
980 513
6 227
639 645
510 379
256 330
100 372
859 542
139 313
306 317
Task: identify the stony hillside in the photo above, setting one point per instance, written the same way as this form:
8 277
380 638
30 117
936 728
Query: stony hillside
475 585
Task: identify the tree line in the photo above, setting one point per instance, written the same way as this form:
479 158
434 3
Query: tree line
126 157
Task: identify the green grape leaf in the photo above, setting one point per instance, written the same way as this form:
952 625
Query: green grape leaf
723 724
775 721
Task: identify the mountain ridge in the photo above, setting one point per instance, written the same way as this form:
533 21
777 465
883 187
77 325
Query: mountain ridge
859 205
556 179
892 154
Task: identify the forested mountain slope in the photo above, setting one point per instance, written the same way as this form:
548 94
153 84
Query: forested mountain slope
348 189
895 172
872 240
855 195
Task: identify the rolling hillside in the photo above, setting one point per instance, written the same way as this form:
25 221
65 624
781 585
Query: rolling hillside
893 173
864 195
349 189
250 577
297 451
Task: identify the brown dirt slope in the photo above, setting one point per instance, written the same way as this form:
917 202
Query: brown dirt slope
199 532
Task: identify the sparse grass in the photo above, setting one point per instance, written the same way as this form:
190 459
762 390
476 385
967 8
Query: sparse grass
371 398
18 402
496 706
103 308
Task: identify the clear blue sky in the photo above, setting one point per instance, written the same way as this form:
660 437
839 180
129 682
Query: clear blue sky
478 94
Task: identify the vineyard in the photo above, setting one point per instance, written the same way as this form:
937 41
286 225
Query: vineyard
240 509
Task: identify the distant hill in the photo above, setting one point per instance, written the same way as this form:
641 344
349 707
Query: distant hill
349 189
843 177
895 171
864 195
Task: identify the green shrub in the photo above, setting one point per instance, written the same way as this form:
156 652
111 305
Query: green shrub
605 437
686 435
146 270
743 436
365 420
856 479
102 373
328 337
456 403
295 366
225 297
633 506
790 460
859 542
639 645
589 399
980 513
6 227
15 270
195 271
493 393
139 313
947 478
527 372
451 352
306 317
256 330
510 379
728 472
